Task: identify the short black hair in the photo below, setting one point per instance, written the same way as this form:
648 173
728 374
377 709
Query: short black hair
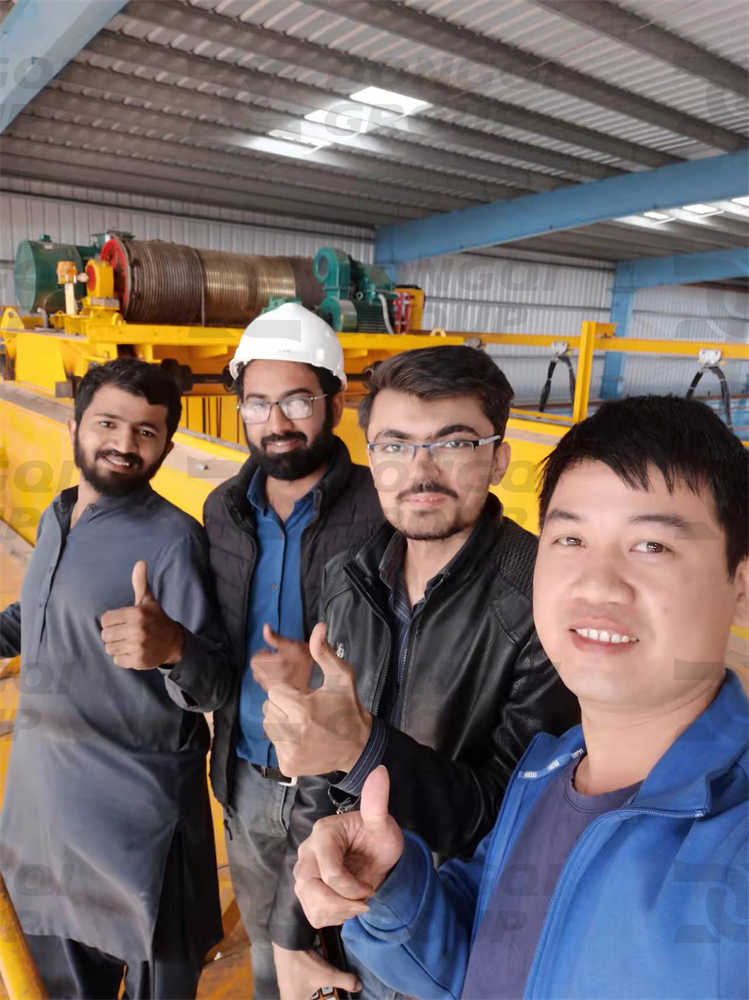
329 383
439 373
683 438
137 377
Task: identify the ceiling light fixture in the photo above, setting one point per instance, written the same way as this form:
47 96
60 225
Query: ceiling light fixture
743 201
702 210
390 100
295 147
648 220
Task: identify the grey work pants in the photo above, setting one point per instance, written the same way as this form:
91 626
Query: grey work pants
257 822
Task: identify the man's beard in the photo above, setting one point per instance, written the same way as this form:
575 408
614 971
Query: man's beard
437 533
114 485
299 462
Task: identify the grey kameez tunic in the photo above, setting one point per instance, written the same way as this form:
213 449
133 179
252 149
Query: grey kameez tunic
107 769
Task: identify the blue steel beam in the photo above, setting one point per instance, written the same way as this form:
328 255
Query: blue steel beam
37 39
648 272
712 179
684 269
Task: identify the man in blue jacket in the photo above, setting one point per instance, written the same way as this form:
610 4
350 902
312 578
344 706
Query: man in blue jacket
618 864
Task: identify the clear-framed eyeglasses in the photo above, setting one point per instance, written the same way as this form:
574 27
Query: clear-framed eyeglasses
257 411
440 452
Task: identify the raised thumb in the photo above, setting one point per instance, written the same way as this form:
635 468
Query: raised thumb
141 590
374 798
333 668
272 639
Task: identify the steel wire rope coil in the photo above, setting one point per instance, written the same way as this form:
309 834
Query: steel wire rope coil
274 278
166 283
161 282
229 287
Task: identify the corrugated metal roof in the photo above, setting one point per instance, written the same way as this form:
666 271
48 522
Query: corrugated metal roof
491 130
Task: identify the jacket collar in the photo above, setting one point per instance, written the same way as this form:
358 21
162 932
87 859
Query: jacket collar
329 487
368 559
683 779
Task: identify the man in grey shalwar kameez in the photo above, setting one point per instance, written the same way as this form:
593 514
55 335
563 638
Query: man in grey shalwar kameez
106 840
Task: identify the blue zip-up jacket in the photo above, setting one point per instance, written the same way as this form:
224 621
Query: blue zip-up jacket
653 901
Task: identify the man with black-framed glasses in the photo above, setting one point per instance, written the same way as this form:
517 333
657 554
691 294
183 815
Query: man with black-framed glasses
431 664
297 501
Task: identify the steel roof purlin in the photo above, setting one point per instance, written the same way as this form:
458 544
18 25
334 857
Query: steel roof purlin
643 34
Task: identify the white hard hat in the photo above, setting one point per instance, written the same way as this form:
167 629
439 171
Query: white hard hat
290 333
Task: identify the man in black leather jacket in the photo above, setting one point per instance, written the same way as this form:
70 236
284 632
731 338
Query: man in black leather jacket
447 682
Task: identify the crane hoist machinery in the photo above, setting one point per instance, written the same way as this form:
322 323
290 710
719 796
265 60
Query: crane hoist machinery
185 309
157 282
362 298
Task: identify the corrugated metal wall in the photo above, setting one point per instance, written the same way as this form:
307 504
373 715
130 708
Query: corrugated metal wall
471 292
512 295
687 312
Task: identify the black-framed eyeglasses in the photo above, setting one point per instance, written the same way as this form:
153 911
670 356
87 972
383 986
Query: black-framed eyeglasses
257 411
440 452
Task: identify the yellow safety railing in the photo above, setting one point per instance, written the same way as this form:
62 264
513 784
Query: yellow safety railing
19 973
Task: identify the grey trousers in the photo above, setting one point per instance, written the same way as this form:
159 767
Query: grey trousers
257 822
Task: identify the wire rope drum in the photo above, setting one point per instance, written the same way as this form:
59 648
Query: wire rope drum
157 282
161 282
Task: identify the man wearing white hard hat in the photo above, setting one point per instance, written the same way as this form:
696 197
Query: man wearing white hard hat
297 502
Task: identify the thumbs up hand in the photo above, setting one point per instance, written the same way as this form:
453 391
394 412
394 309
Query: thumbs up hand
288 661
142 637
347 857
315 732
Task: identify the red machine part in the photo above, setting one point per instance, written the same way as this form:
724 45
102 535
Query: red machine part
91 275
114 252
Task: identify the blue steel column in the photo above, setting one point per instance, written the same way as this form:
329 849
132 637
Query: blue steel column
622 300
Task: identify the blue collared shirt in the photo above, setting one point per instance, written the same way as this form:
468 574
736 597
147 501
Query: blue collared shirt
275 598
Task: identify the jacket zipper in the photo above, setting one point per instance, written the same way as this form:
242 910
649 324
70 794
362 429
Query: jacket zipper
414 630
361 590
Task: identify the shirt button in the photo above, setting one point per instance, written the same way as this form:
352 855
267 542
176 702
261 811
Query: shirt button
275 586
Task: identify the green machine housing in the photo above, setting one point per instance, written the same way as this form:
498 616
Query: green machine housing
357 296
35 272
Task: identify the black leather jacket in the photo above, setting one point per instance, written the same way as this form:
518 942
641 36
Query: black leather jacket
476 687
346 512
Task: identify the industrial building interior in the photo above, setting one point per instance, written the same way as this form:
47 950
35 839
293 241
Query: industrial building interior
562 183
